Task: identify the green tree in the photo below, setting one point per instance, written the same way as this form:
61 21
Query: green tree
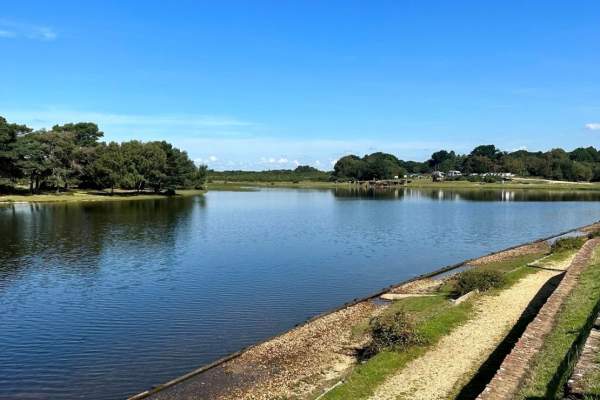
9 133
349 167
84 133
382 166
108 168
31 159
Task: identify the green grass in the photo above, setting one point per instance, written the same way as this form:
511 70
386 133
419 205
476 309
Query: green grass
416 183
514 184
231 185
553 364
513 270
593 384
434 317
81 195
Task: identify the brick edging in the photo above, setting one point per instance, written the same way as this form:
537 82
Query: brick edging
514 369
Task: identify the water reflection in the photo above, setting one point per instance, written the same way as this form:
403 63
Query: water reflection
444 194
103 300
72 236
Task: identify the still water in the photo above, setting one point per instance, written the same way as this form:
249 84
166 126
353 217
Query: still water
103 300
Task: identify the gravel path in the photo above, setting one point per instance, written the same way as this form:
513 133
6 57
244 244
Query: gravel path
450 363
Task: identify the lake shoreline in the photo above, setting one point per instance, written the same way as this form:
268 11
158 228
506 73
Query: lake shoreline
214 377
519 184
85 196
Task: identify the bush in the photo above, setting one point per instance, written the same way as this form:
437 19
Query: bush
594 234
392 331
566 244
480 279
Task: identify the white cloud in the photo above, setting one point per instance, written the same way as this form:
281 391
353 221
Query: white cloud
46 117
13 30
7 34
207 160
593 126
519 148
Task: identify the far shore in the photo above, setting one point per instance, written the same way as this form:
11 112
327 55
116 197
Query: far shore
518 183
77 195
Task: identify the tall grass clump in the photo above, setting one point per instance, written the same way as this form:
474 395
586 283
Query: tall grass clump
477 279
568 244
392 331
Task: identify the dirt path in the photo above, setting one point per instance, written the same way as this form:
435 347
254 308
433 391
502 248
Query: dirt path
449 364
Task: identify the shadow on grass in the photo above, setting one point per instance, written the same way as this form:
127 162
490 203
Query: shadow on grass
488 369
567 364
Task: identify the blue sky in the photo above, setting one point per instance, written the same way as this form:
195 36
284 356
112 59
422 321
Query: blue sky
261 85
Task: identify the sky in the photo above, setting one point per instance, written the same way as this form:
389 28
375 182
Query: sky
273 84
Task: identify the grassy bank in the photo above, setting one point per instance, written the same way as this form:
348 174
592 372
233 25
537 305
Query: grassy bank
553 364
223 185
417 183
434 318
81 195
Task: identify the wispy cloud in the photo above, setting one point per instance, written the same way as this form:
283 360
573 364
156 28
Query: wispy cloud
7 34
12 30
593 126
123 126
49 116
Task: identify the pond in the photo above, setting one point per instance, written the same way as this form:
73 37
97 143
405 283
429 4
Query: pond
104 300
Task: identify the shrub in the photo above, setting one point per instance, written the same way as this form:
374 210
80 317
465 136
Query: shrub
392 331
480 279
594 234
569 243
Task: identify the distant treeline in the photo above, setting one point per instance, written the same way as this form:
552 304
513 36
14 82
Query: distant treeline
581 164
72 155
300 173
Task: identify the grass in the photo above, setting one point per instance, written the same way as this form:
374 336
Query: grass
416 183
553 364
434 318
593 383
222 185
514 184
81 195
512 268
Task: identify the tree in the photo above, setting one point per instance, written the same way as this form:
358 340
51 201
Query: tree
84 133
349 167
9 133
487 150
442 160
382 166
31 159
581 172
58 147
108 168
478 164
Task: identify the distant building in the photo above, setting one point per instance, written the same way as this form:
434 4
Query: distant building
437 176
454 173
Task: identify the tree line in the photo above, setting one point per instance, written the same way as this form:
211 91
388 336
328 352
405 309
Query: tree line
581 164
298 174
73 155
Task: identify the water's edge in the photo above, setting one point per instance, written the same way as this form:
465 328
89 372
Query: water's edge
431 274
